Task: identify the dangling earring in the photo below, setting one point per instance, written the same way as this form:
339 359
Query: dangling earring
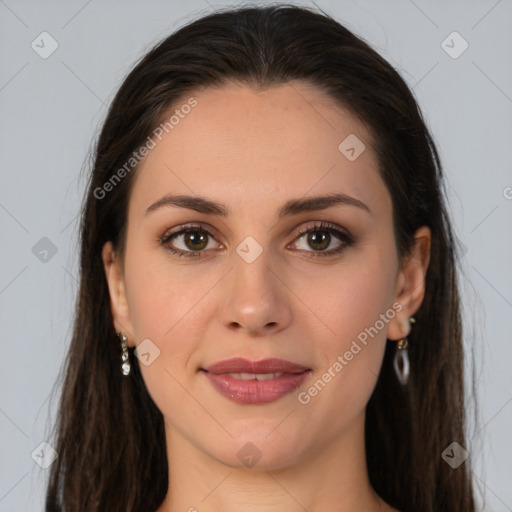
124 356
401 359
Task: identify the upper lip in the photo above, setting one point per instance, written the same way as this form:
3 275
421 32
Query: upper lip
241 365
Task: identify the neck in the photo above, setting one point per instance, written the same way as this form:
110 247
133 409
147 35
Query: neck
331 476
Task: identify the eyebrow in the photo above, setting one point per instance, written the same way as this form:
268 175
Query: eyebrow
291 207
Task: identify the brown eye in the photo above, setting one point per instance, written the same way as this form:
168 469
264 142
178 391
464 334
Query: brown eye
319 238
195 240
189 242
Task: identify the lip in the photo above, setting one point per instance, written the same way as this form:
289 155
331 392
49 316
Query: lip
255 391
239 365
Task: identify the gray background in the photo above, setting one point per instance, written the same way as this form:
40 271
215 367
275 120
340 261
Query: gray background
52 108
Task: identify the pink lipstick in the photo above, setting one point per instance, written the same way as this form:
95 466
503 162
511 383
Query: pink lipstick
255 382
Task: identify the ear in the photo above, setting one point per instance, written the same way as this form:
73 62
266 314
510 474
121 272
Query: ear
410 284
112 265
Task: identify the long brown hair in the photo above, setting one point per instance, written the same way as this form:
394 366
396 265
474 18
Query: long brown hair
109 434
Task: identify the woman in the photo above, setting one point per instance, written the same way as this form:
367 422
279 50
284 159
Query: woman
268 316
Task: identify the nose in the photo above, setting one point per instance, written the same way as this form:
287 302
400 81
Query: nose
255 300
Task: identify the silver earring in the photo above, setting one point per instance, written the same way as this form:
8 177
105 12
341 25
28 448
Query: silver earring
125 358
401 359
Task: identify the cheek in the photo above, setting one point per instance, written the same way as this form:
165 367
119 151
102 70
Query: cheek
357 306
163 304
162 298
352 299
351 358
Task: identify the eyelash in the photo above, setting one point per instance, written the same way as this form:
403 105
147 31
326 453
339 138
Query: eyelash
346 239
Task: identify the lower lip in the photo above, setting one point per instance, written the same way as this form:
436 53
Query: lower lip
255 391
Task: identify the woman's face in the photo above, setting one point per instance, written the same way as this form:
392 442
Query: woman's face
252 284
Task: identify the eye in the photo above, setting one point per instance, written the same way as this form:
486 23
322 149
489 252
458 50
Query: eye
320 236
190 241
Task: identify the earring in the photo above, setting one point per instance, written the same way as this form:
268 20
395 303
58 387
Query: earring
124 356
401 359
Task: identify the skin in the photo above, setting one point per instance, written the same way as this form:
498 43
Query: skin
253 151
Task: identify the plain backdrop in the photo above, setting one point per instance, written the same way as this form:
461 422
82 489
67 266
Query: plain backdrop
52 107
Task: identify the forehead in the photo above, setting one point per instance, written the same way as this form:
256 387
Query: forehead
253 148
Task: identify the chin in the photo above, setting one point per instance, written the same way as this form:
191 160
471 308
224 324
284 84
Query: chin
257 450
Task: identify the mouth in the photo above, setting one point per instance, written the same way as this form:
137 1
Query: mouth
255 382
